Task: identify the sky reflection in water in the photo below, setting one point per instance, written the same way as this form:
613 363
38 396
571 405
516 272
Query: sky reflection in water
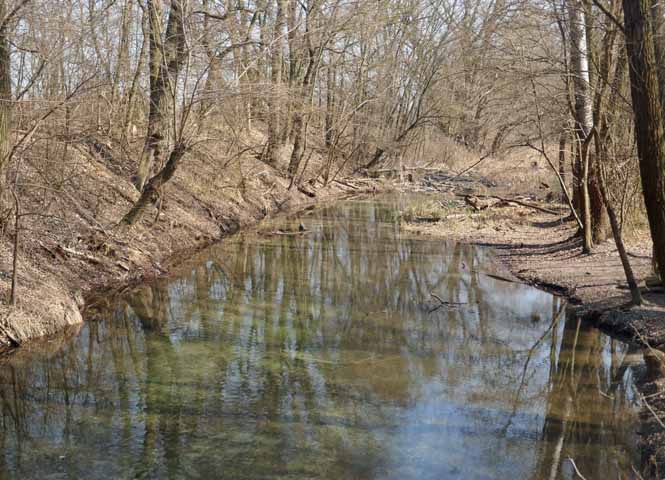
322 356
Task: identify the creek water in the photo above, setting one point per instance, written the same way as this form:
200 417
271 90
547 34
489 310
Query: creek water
324 355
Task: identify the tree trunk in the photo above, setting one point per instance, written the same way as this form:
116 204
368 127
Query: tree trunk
153 186
304 99
122 58
133 89
166 58
275 106
583 108
658 29
6 100
649 132
636 296
292 46
562 157
330 104
599 218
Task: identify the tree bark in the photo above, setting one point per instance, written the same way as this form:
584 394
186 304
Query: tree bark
647 107
153 186
275 105
166 58
6 100
583 108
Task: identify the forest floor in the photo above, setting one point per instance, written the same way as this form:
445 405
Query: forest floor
541 248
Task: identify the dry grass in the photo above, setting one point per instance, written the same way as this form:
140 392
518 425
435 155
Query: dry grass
71 242
429 210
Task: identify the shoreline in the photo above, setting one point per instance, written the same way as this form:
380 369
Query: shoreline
539 250
63 264
179 259
528 245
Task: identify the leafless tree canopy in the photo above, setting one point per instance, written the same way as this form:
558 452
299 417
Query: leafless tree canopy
319 89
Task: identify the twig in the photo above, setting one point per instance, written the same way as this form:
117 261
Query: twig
640 477
466 170
443 303
518 202
653 412
575 467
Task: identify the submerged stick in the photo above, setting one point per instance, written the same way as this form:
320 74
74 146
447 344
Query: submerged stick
444 303
577 472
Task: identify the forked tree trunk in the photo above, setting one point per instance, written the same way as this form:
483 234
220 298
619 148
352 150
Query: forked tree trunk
154 185
304 100
647 107
275 106
166 58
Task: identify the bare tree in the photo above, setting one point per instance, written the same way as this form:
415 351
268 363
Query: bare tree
167 54
649 127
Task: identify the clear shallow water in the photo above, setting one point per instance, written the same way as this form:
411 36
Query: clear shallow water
320 356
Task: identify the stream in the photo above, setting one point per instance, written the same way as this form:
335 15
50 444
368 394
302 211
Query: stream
325 355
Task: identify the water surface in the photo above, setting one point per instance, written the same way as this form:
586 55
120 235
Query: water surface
324 355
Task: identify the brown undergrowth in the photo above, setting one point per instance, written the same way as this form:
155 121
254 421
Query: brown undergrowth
71 243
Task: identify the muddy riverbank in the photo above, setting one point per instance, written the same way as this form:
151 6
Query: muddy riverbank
532 242
71 246
345 349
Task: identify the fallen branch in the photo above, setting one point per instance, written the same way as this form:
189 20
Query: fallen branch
306 191
653 412
65 251
503 279
513 200
444 303
286 234
577 472
345 184
408 169
466 170
13 340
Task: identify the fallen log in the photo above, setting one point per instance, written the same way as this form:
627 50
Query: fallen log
306 191
469 199
66 251
346 184
285 233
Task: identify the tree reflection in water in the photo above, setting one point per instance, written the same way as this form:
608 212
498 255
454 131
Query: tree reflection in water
316 357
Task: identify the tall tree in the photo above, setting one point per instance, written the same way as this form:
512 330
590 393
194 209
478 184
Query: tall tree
275 110
579 59
305 91
167 54
6 104
648 110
